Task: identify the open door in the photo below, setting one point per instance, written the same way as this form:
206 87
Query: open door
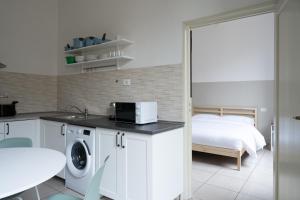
288 177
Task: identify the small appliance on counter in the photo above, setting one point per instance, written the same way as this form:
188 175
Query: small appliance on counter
7 110
112 111
136 112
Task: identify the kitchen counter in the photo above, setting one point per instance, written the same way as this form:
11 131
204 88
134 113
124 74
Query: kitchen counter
98 121
30 116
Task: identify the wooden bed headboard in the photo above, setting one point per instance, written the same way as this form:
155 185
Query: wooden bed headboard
250 112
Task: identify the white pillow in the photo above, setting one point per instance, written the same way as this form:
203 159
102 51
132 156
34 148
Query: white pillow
239 119
205 116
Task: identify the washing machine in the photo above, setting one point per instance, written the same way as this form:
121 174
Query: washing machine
80 156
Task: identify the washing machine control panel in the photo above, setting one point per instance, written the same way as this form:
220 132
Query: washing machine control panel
79 131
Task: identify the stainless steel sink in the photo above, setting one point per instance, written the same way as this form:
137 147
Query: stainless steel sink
76 117
72 117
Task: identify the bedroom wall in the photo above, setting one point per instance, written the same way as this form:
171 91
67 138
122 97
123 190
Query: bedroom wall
233 65
239 50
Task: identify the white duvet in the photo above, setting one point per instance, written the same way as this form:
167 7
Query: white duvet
227 134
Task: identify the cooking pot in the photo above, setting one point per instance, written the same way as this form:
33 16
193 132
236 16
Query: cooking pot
8 109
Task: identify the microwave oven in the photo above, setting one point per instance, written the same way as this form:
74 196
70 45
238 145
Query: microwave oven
136 112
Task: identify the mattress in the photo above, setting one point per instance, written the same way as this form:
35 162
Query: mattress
219 132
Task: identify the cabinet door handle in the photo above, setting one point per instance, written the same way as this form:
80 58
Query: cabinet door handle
123 146
62 132
7 125
117 139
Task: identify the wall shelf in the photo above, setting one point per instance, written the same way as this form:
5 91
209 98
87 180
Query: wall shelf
107 62
110 44
116 61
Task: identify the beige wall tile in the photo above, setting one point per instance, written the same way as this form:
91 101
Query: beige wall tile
96 90
35 93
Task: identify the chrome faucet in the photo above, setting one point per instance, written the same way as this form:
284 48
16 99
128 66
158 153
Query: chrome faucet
2 65
84 112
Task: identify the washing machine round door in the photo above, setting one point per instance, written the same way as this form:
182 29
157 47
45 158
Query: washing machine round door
78 158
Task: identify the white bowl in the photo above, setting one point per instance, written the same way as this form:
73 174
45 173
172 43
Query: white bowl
91 57
79 58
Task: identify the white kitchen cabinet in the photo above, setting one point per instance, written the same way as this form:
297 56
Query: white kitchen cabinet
141 166
2 131
106 144
136 165
53 137
26 128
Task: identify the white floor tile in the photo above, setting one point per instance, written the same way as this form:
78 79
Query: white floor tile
196 185
227 182
254 181
258 190
246 197
262 178
209 192
205 167
200 175
244 173
250 161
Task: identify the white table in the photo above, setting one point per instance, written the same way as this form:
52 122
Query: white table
25 168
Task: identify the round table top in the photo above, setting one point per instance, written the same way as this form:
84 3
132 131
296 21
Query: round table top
24 168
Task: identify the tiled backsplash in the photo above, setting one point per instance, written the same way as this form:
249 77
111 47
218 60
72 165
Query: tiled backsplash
96 90
35 93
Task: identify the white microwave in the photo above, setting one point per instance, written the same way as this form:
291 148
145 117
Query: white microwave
136 112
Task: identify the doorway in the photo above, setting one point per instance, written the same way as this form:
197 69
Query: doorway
220 91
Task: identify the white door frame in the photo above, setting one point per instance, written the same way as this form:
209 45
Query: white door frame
267 7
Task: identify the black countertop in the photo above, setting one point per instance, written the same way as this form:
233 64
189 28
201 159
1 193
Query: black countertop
98 121
31 116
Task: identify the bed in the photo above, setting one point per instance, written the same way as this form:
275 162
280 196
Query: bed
226 131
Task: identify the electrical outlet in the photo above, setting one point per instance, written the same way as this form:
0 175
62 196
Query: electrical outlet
126 82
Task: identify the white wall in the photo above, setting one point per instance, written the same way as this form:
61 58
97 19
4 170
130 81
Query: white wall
29 36
34 32
239 50
155 26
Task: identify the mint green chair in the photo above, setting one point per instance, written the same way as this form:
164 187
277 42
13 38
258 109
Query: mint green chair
15 142
92 191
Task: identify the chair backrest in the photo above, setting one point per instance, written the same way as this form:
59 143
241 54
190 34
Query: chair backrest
94 186
15 142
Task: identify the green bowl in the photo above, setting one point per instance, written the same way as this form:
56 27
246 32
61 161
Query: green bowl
70 59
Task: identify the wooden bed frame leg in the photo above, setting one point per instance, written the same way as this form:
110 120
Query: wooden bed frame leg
239 162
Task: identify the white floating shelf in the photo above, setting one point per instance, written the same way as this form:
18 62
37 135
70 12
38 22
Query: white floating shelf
107 62
113 43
